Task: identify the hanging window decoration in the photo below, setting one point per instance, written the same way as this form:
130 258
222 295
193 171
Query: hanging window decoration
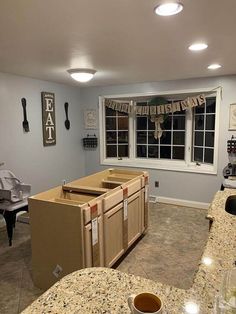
157 109
158 119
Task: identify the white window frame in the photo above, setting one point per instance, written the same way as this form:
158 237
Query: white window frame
163 164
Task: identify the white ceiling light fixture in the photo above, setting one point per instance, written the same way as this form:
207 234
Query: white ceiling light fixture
214 66
198 47
169 8
82 75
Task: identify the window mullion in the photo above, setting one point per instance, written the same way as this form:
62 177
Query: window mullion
172 136
132 132
188 136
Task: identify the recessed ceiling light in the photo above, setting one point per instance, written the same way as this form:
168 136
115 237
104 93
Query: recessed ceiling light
214 66
198 47
82 75
169 8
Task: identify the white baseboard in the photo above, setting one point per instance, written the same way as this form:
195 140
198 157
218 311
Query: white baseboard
152 199
176 201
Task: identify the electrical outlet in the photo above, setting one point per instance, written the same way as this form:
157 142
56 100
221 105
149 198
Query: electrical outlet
156 184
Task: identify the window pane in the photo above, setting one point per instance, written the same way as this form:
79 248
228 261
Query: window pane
123 123
178 152
198 138
179 112
199 122
165 152
141 151
151 138
111 123
208 157
198 154
178 138
167 123
210 122
111 151
141 123
122 114
110 112
151 125
123 137
211 105
153 152
209 139
199 109
166 138
111 137
123 151
179 122
141 137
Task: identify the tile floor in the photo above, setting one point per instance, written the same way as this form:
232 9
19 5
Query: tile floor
169 252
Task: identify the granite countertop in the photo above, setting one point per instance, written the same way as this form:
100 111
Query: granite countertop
104 290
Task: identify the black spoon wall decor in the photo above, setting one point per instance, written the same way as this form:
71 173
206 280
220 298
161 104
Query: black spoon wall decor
67 121
25 123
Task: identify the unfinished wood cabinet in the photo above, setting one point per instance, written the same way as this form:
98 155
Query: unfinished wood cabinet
87 243
88 222
134 218
113 235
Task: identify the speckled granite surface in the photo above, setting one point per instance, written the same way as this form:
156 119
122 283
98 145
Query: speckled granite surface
103 290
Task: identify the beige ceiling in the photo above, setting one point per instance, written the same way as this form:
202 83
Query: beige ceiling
122 39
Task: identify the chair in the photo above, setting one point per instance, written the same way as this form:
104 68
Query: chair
13 198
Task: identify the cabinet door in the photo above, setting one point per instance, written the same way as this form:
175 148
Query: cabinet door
113 235
88 243
134 217
142 210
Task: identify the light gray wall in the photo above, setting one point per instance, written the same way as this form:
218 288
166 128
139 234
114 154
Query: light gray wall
24 153
180 185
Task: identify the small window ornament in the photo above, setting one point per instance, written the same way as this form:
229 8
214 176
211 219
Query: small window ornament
158 119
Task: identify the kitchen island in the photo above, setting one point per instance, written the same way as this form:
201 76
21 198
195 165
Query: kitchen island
104 290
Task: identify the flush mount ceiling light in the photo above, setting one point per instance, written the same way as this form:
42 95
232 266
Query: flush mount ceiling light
214 66
82 75
198 47
169 8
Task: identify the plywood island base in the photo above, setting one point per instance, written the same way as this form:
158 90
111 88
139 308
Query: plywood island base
103 290
88 222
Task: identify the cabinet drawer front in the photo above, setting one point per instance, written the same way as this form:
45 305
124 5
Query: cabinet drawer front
87 212
112 200
133 187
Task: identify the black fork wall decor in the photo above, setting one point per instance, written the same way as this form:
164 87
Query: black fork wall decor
67 121
25 122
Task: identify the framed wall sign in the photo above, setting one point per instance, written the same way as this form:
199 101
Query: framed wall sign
90 119
48 118
232 117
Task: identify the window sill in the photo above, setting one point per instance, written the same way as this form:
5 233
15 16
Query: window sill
180 166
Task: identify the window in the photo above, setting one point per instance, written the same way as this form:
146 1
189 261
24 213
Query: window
171 145
188 141
204 132
117 134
